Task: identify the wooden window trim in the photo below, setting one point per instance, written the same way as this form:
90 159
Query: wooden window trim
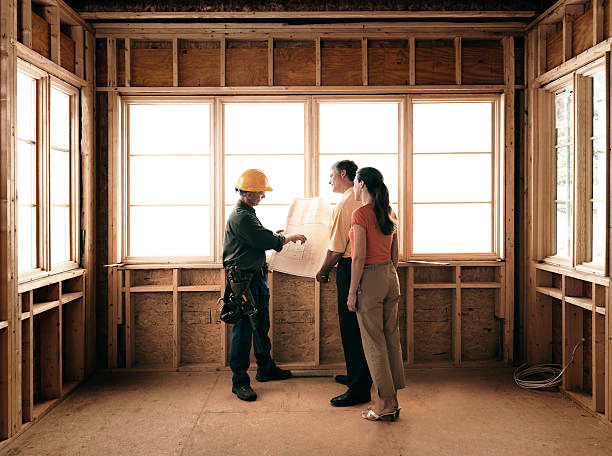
123 166
497 178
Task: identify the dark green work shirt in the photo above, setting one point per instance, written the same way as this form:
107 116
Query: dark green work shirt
246 240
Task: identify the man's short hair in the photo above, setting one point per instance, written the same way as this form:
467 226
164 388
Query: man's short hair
241 192
348 166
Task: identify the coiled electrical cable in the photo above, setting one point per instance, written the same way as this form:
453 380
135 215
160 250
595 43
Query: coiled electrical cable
542 376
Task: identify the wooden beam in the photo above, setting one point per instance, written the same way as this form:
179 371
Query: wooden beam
364 61
113 16
458 61
410 314
128 62
175 75
222 46
79 50
317 323
543 31
26 22
52 16
27 375
509 167
571 13
598 349
176 319
598 21
129 322
111 61
411 61
457 318
270 61
33 57
318 60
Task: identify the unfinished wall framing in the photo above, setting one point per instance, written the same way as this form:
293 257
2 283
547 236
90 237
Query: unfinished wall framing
47 325
568 299
169 317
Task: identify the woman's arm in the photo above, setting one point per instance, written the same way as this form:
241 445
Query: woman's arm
359 254
394 250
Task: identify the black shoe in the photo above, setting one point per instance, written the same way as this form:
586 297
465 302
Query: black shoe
274 374
342 379
350 398
244 392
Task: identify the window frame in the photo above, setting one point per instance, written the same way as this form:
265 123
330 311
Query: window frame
124 170
581 189
497 177
583 173
44 83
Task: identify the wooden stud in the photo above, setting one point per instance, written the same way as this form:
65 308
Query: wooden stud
112 322
410 314
111 58
572 327
571 13
119 299
52 16
51 354
318 60
542 32
175 77
270 62
598 349
598 21
509 167
222 46
27 375
225 342
128 62
26 22
412 61
457 318
176 320
581 174
129 321
317 323
458 61
364 61
79 50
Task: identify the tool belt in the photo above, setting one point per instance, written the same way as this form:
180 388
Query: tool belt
238 301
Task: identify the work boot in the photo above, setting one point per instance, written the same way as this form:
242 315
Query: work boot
276 373
244 392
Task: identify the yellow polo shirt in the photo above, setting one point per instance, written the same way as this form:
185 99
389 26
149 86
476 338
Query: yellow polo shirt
341 223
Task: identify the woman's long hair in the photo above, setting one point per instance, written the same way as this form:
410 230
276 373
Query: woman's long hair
374 182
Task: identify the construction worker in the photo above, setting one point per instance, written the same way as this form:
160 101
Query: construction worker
357 378
244 258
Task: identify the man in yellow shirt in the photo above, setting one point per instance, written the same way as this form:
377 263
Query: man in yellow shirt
357 376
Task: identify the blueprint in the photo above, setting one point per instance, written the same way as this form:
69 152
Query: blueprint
312 218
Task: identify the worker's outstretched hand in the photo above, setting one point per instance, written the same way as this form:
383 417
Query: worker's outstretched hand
295 238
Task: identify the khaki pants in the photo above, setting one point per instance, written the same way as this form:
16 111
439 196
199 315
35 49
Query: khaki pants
377 313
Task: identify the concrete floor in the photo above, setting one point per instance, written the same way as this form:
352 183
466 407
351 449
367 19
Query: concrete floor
444 412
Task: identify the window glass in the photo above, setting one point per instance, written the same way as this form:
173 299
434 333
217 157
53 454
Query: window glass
365 132
452 179
269 137
564 174
59 176
169 180
598 170
27 199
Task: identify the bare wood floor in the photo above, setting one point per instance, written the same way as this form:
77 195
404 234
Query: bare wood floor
444 412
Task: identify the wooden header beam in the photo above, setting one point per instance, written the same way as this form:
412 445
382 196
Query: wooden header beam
125 15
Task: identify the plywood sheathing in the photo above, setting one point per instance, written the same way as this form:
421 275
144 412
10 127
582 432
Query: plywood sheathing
583 32
480 330
41 41
330 350
294 63
341 62
294 321
388 62
151 64
201 329
435 62
246 63
433 324
482 62
67 52
198 63
152 329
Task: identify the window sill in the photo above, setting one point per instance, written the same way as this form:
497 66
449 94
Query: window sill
48 277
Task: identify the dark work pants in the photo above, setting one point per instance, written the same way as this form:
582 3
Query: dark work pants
242 333
359 379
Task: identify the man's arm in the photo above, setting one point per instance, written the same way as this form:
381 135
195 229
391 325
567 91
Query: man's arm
331 259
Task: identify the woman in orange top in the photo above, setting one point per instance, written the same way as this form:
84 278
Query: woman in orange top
374 293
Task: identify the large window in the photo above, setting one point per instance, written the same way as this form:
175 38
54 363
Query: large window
453 177
573 175
270 137
168 158
440 158
47 173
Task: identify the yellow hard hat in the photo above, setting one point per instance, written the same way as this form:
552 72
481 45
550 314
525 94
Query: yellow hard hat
253 180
